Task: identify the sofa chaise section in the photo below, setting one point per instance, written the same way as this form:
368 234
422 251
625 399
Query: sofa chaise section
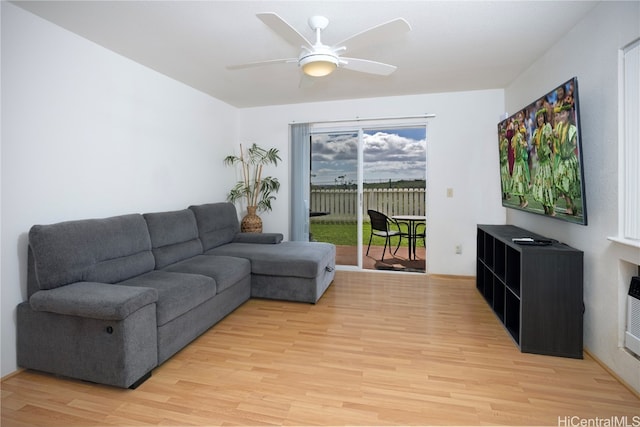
293 271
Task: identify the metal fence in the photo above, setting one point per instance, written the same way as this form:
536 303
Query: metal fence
342 204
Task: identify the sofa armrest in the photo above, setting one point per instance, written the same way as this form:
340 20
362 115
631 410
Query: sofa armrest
267 238
93 300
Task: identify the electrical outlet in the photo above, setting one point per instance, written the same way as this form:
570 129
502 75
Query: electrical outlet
449 192
458 249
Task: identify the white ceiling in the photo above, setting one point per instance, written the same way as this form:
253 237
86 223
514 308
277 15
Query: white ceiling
453 45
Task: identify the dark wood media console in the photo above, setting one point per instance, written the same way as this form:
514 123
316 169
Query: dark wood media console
535 290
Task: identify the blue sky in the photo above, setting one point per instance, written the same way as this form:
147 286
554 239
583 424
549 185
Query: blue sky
389 154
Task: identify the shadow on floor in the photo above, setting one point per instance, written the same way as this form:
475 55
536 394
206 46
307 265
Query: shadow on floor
347 255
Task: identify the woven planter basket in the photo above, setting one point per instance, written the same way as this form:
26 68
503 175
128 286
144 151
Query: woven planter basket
251 223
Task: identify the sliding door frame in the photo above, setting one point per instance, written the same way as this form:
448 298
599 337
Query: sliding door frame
301 157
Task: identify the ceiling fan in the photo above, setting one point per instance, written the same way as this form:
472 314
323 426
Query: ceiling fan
318 59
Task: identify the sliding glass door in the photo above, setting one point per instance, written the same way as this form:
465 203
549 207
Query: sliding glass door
394 184
355 169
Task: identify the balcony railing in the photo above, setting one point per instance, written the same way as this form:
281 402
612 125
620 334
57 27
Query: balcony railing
341 204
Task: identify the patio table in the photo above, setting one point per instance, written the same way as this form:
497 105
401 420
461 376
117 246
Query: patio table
412 222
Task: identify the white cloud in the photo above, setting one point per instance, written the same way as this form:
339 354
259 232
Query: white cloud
388 155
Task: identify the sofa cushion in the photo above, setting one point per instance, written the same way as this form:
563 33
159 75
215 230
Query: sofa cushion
227 271
296 259
94 250
174 236
177 292
217 223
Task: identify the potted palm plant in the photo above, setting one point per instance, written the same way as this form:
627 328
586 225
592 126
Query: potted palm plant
257 190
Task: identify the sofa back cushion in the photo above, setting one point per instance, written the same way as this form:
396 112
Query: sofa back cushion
174 236
106 250
217 223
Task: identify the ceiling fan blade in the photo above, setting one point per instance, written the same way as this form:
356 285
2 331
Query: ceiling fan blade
366 66
262 63
283 29
377 34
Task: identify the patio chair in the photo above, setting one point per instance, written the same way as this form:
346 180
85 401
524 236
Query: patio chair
383 226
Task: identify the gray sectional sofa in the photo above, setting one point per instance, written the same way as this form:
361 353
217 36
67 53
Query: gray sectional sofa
110 299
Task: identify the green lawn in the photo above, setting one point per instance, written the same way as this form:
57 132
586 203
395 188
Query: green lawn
345 233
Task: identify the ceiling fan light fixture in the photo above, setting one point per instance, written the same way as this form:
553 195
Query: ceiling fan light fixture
318 59
318 65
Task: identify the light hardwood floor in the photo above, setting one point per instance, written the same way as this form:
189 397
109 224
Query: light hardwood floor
377 349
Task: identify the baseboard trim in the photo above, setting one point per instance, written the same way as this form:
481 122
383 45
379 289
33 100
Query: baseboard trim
12 374
612 373
452 277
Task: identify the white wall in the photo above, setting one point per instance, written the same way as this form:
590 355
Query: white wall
87 133
462 154
590 52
